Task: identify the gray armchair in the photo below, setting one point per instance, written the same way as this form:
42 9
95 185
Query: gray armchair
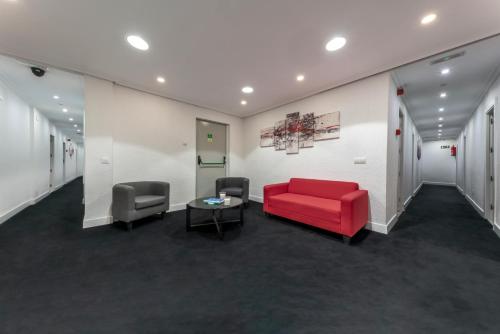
233 186
136 200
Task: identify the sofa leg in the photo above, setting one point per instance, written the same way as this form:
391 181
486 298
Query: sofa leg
129 226
162 214
347 240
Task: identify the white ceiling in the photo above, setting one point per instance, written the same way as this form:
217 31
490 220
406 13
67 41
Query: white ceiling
39 92
208 50
470 77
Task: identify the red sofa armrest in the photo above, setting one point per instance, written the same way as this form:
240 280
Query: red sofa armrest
354 212
273 189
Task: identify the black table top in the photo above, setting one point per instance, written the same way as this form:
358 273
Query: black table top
199 204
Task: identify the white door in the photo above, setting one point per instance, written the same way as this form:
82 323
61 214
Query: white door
401 162
51 172
211 153
491 166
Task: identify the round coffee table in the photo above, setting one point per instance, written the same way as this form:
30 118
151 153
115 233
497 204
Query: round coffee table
215 210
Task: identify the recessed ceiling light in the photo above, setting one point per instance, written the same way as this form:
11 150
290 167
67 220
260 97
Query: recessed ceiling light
75 125
78 131
247 90
335 44
71 119
445 71
429 18
440 125
440 130
300 77
138 42
160 79
443 95
440 118
65 109
55 97
243 102
441 109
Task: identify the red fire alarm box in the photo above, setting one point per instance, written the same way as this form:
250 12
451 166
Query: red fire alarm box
453 151
401 91
398 132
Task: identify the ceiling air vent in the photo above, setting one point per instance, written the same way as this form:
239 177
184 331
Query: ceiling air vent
446 58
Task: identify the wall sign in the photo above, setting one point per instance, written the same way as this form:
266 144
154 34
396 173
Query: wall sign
210 137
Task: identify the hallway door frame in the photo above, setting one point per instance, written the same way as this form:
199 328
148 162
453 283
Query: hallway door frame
464 150
400 199
51 157
490 166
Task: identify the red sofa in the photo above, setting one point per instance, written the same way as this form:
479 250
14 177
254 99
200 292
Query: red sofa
330 205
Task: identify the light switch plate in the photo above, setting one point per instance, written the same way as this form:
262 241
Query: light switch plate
105 161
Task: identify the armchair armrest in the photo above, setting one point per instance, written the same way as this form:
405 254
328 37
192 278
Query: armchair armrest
274 189
354 212
123 200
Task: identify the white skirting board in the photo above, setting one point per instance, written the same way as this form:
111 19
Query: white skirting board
382 228
106 220
256 198
14 211
496 228
95 222
440 183
475 205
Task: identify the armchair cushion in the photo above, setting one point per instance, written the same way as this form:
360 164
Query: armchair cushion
146 201
238 185
233 191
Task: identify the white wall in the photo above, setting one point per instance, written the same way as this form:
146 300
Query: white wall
411 173
144 137
25 151
363 109
438 165
472 166
15 149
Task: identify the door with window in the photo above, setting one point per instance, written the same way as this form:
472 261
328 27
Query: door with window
211 153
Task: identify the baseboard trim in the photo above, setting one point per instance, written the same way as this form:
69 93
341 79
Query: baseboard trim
496 228
376 227
440 183
100 221
418 189
460 190
392 222
475 205
255 198
177 207
14 211
408 200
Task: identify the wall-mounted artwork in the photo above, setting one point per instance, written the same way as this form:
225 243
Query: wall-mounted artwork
267 137
300 132
306 131
292 133
419 149
280 135
327 126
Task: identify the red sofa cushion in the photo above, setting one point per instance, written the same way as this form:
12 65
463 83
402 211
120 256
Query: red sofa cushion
321 188
317 207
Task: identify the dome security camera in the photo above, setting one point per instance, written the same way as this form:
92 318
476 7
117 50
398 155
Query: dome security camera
38 71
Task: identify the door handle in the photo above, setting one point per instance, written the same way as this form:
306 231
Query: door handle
200 161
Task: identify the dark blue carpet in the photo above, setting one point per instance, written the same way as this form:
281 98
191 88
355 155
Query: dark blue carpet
437 272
